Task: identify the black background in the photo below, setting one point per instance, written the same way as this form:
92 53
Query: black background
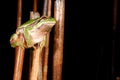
87 42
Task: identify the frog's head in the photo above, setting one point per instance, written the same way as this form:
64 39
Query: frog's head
14 41
13 38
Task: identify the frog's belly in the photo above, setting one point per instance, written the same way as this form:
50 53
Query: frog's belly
37 36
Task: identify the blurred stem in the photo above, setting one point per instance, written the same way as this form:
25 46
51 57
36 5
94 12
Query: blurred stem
19 51
58 39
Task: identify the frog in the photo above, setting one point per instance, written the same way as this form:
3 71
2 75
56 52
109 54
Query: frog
32 31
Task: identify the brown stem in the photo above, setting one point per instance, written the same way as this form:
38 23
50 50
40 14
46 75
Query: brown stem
19 13
19 52
115 14
115 10
58 39
19 58
45 63
47 12
36 70
33 15
45 7
34 5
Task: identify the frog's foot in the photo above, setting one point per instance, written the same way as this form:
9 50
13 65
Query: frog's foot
34 47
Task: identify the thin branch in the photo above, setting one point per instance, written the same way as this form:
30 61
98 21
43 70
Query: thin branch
36 70
34 60
115 10
45 7
33 15
115 14
47 12
34 5
36 55
58 39
19 52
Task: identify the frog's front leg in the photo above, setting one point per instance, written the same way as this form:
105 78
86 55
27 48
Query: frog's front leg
43 43
27 37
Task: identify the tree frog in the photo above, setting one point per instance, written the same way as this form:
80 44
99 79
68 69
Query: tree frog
33 32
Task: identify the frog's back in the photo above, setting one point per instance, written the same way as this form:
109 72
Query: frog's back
28 22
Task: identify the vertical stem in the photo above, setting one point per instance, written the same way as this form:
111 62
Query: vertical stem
19 13
47 12
34 56
19 58
19 52
115 14
114 32
36 70
33 14
36 67
45 7
58 39
34 5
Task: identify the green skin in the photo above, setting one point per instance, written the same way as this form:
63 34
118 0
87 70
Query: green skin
26 27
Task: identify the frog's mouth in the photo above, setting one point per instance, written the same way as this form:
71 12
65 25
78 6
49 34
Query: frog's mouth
14 38
17 40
